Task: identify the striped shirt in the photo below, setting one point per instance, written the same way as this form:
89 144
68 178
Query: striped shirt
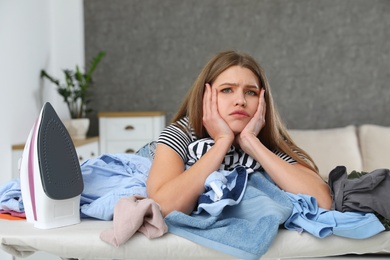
190 148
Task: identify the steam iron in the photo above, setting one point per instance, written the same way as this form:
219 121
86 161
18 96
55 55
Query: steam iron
50 175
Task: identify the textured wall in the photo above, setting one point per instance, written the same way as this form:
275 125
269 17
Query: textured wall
328 61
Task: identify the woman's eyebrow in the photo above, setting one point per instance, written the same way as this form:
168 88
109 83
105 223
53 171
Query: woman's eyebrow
228 84
255 86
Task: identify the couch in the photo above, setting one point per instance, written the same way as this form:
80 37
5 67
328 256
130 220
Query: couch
360 148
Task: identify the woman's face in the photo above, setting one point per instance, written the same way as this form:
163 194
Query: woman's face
238 96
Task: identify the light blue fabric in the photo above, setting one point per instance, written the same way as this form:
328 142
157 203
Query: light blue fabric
106 179
307 216
109 178
11 197
223 188
148 150
245 230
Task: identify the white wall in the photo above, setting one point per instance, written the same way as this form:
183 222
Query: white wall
34 35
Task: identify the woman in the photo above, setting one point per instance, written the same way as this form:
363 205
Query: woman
231 103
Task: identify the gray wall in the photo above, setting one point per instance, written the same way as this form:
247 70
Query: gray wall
328 61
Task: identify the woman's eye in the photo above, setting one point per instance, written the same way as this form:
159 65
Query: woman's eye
251 93
226 90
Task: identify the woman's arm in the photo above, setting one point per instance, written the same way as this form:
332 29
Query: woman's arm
175 189
168 182
294 178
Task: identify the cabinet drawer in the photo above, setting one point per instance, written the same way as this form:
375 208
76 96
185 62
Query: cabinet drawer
125 146
130 128
87 151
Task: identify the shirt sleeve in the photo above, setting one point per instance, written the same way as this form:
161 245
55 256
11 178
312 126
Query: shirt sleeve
285 157
177 139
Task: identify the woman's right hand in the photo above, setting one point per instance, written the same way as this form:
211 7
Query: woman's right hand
216 127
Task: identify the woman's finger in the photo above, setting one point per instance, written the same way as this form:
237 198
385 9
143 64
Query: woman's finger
206 100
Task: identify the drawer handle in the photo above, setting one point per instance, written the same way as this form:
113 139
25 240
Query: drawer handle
129 127
130 151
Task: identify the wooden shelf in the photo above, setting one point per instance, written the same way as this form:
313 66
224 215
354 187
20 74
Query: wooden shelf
76 143
131 114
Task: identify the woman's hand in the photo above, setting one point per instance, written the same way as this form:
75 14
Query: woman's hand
254 126
216 127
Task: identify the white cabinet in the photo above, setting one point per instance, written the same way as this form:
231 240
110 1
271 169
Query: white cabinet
126 132
86 149
17 152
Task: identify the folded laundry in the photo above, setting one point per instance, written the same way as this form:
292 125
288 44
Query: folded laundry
132 214
245 230
307 216
109 178
367 193
11 197
223 188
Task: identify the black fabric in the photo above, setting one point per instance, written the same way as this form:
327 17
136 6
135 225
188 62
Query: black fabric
367 193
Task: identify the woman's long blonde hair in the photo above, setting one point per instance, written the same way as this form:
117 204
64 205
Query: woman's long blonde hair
274 134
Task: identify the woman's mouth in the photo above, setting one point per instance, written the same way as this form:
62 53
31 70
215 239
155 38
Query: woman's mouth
239 113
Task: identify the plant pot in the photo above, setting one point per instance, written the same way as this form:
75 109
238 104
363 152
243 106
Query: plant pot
77 128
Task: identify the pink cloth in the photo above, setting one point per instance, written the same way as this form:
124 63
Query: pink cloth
13 213
132 214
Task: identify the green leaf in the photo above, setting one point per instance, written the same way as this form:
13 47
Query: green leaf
75 90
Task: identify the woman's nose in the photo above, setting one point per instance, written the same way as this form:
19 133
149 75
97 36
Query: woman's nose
240 100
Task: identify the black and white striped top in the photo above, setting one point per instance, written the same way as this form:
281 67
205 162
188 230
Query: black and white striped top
190 148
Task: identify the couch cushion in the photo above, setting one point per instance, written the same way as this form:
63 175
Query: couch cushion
330 148
375 146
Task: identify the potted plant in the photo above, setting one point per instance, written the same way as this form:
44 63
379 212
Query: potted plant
75 92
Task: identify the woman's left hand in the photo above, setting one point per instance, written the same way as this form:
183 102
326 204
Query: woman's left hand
254 126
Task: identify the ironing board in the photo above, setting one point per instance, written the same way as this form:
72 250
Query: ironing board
20 238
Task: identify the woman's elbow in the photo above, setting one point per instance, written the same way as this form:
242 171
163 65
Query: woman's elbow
324 199
161 204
